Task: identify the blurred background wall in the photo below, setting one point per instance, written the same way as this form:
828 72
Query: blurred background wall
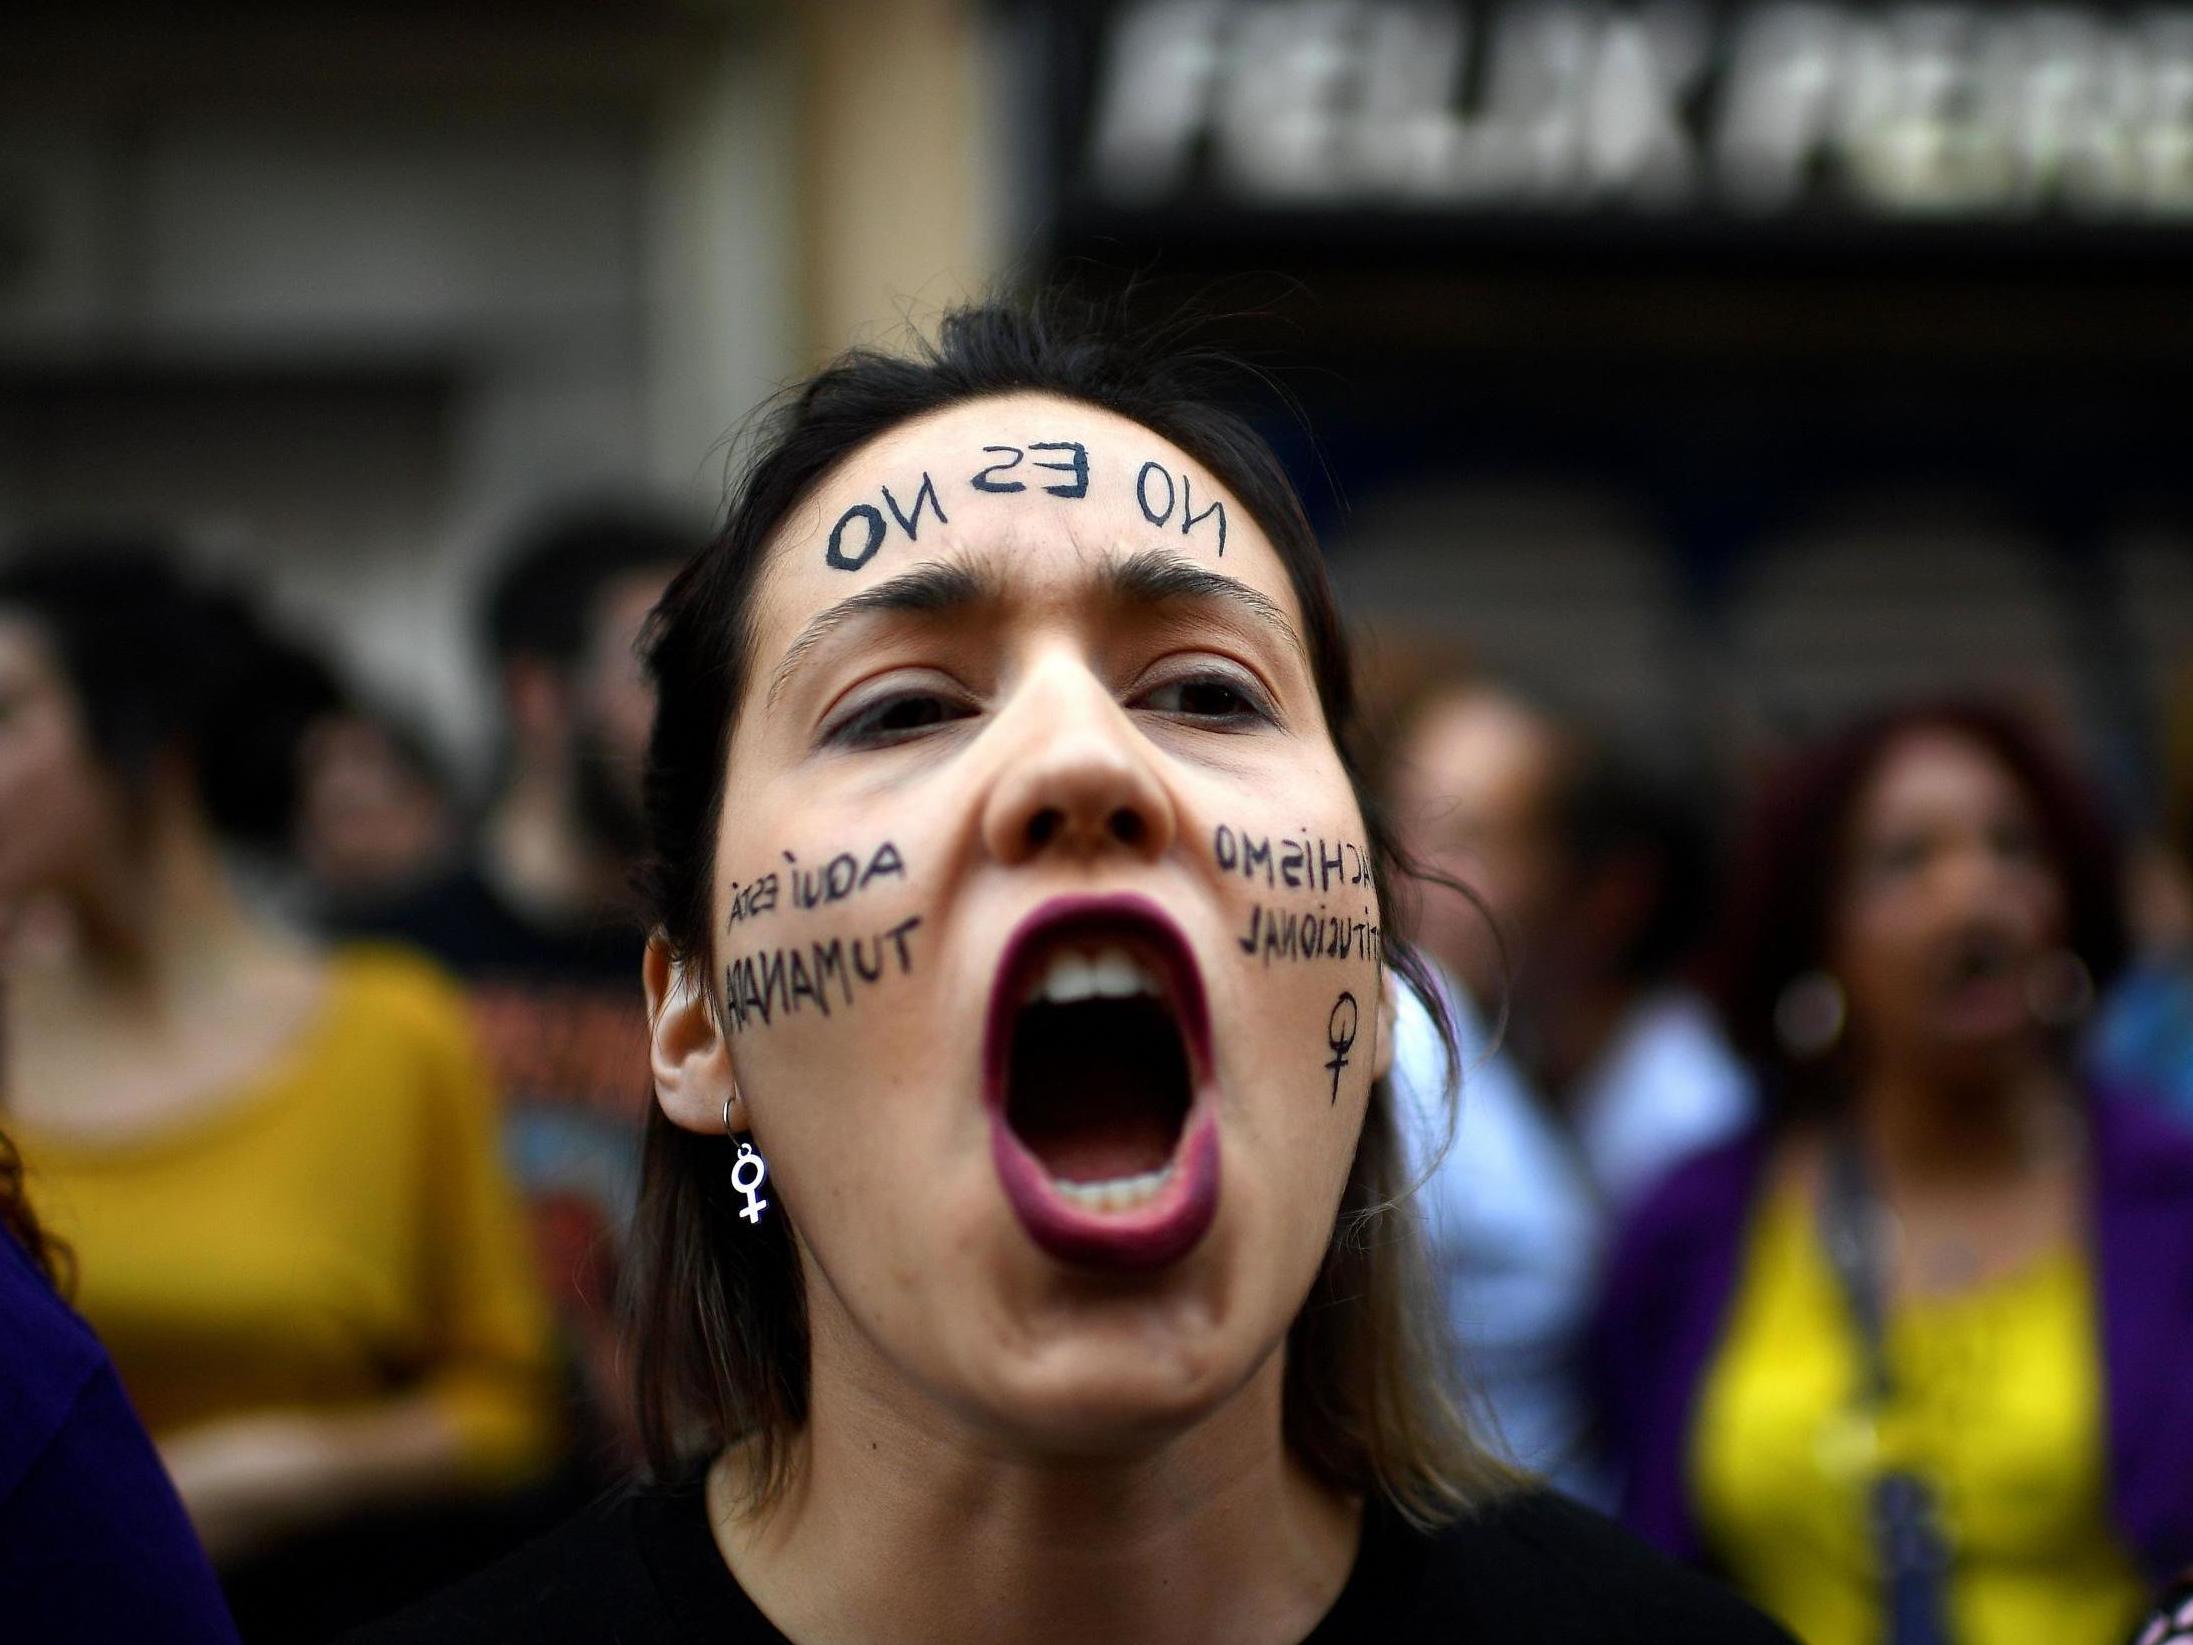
1727 364
345 293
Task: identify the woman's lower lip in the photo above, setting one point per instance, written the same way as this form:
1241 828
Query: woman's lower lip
1150 1235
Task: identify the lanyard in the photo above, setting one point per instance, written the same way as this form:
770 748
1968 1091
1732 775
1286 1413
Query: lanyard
1910 1551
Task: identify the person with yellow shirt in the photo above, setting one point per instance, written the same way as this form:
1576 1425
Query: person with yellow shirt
276 1167
1906 1364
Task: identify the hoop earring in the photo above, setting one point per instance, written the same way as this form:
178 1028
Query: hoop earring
1809 1015
749 1171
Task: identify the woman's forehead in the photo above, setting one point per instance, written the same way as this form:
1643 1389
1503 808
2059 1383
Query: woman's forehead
1031 491
1939 767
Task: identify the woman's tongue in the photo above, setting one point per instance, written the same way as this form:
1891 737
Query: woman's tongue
1103 1150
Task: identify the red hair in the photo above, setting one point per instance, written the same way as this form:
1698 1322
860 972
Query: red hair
1791 869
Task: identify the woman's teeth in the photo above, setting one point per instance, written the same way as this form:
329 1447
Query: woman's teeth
1120 1193
1080 974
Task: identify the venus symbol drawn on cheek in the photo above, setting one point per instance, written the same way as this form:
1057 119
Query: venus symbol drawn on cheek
1340 1037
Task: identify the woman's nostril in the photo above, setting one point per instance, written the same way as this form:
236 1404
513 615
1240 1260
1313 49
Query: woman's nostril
1128 826
1044 826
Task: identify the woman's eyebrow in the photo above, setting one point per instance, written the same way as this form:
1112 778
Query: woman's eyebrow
947 587
1162 576
940 588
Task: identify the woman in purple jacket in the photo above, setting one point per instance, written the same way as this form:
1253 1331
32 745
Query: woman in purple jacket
1909 1362
94 1546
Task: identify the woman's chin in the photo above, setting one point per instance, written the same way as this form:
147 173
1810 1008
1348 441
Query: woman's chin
1115 1404
1116 1374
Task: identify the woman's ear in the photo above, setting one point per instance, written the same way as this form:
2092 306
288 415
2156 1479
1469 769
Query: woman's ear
687 1051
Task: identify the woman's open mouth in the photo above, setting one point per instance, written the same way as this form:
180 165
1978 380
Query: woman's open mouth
1980 982
1097 1046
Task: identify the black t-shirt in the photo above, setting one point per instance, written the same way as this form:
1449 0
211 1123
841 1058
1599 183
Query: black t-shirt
561 1015
1533 1568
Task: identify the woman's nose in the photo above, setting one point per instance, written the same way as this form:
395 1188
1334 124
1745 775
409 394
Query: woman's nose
1077 779
1978 876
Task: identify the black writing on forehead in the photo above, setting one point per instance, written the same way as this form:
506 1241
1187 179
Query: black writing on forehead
860 531
1159 498
1075 465
1060 468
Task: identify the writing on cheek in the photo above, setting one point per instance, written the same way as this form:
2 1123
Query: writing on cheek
1340 1037
1298 862
753 899
824 976
840 877
1302 934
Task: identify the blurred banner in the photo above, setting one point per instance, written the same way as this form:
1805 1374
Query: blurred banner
1791 122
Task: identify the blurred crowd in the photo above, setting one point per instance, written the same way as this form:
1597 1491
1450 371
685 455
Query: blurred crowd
327 1080
1872 1096
327 1085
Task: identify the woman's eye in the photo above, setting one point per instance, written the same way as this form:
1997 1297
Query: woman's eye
1211 699
896 718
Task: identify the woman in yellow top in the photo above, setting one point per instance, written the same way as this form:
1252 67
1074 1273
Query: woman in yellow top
276 1167
1908 1364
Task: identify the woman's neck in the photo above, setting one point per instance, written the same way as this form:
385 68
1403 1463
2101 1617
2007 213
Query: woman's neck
161 930
159 990
1922 1129
900 1524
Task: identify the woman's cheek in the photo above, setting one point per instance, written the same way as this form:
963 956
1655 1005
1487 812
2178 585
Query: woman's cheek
814 937
1304 944
816 942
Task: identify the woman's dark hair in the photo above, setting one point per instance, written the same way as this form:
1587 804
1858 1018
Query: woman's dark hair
1604 802
721 1347
541 603
1792 870
164 664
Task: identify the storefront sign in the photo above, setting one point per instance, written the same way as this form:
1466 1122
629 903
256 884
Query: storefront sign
1786 110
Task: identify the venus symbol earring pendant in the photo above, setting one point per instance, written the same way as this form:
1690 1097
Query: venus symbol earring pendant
748 1173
